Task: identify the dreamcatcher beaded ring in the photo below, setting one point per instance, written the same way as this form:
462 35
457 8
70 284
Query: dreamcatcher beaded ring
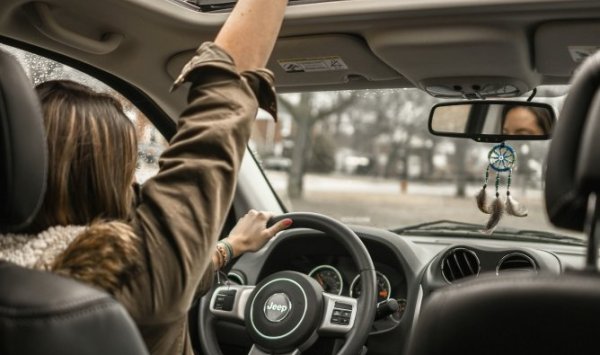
502 158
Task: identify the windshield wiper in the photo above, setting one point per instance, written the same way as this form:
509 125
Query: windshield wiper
552 236
447 228
442 224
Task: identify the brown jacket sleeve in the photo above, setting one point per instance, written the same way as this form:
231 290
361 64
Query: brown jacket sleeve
181 210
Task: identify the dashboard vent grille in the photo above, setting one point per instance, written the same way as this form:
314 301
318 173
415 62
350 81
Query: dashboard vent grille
460 263
236 278
516 262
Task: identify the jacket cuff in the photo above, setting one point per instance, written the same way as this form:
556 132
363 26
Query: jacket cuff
262 83
213 64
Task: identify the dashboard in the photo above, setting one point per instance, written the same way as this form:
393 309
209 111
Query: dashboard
409 269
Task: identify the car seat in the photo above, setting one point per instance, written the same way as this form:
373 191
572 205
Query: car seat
42 313
535 314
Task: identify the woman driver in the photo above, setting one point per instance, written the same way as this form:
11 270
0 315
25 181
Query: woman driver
154 250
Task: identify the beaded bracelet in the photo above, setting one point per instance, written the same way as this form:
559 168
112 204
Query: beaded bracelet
223 255
229 248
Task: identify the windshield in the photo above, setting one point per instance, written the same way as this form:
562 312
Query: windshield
366 157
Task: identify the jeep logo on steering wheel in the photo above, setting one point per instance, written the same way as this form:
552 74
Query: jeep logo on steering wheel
277 307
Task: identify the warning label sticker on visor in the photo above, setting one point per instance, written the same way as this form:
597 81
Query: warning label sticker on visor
307 65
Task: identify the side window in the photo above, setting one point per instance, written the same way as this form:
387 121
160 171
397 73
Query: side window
150 142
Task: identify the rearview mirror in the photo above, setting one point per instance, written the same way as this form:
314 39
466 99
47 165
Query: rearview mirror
493 121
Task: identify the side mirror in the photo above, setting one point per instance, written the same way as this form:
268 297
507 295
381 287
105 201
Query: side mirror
493 121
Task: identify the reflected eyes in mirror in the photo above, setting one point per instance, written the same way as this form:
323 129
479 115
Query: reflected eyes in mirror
525 121
492 121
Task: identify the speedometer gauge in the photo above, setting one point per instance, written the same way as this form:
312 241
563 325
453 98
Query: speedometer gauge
329 278
384 289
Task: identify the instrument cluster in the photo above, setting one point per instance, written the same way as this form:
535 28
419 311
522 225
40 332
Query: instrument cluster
330 278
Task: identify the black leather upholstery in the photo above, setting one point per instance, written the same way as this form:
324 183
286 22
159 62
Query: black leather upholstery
42 313
573 155
22 147
514 315
587 174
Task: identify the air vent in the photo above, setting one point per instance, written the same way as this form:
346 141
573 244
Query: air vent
515 262
460 263
236 277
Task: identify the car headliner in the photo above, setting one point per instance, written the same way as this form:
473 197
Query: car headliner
385 43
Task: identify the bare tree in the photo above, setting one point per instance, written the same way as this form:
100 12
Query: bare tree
309 109
460 157
400 117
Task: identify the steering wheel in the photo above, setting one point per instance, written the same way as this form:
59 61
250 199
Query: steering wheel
287 311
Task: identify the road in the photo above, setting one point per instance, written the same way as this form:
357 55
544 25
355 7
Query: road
380 202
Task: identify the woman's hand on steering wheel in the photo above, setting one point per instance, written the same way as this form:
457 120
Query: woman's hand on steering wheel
251 232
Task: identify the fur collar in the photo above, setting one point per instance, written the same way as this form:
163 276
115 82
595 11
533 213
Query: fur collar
37 250
104 254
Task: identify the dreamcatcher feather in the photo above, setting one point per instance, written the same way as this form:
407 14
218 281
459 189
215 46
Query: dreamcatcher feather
502 159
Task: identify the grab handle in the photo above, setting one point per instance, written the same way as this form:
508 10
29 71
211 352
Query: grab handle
51 29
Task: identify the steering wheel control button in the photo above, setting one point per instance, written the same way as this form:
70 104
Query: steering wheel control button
339 305
224 300
341 315
277 307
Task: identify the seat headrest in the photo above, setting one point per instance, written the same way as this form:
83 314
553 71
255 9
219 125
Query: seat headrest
573 169
23 150
514 314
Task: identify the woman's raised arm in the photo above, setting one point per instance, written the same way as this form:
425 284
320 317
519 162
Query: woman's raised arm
250 32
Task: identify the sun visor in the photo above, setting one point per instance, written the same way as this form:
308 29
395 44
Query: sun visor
459 61
561 46
325 60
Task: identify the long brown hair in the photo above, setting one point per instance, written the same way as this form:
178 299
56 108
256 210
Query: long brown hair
92 156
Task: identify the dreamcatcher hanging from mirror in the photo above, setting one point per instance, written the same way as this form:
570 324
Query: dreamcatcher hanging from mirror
502 158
